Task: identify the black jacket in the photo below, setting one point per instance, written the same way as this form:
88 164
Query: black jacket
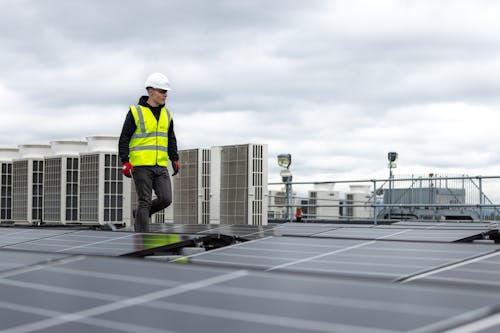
129 128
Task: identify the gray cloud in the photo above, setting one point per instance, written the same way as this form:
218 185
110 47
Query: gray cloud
335 83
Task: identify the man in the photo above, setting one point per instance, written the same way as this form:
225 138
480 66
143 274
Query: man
146 144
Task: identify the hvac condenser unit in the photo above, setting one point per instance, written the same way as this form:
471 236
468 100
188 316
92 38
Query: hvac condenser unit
6 156
238 184
323 204
104 192
61 182
191 198
27 183
360 197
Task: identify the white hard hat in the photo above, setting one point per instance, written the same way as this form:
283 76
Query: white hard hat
158 81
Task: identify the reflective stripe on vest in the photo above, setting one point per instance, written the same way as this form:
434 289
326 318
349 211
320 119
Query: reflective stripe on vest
149 143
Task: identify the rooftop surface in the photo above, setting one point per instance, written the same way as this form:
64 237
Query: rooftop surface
293 277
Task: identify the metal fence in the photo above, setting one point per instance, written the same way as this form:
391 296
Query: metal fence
433 197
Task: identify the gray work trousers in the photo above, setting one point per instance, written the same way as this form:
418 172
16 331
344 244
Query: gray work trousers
147 179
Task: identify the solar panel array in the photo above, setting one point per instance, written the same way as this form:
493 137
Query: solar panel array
426 233
102 294
432 232
316 279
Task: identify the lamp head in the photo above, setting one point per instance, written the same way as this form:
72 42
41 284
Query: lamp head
392 156
284 160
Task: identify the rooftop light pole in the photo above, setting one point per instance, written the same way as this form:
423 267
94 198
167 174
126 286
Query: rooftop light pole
284 161
392 157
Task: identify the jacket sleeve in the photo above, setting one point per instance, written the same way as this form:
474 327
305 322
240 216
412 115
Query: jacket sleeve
127 132
172 143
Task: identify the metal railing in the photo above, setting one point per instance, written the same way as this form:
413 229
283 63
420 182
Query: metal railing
433 197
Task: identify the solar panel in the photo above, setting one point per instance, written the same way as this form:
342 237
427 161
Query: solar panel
483 271
10 260
124 295
363 258
93 242
304 229
180 228
243 231
10 236
454 225
490 324
406 234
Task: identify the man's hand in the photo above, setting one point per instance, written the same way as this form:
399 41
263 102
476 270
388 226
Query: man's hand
176 166
127 169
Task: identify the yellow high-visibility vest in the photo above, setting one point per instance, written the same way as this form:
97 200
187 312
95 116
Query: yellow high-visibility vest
149 143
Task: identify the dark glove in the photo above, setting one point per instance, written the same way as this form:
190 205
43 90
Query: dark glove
176 166
127 169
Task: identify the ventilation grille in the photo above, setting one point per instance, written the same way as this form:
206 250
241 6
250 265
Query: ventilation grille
20 191
186 189
205 186
72 189
6 190
234 185
52 190
313 204
257 183
37 195
113 189
349 201
89 188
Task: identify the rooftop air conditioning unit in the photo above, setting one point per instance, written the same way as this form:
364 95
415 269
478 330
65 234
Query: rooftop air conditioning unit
191 199
27 183
238 184
6 157
104 192
324 204
61 182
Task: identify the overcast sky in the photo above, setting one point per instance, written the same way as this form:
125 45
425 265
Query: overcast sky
337 84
